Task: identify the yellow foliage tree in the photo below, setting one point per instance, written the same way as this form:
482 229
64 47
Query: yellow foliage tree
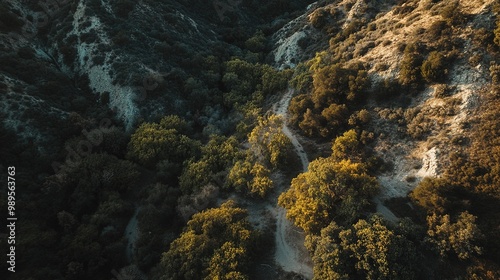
213 246
328 190
268 142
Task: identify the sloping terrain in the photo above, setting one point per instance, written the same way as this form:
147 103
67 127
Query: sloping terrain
167 118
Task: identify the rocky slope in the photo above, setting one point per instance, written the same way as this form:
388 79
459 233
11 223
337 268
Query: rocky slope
376 34
132 57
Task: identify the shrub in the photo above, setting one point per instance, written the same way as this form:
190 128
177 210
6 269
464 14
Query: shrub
318 18
257 43
497 34
120 38
410 66
452 13
214 245
438 30
152 142
298 107
302 79
433 67
443 90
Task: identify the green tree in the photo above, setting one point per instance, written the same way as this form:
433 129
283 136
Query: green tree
274 81
433 67
302 79
261 183
459 238
226 264
268 143
347 146
365 250
298 107
239 176
312 125
336 116
497 34
329 259
196 175
152 142
410 66
330 85
328 190
257 42
431 194
221 152
214 244
250 177
380 253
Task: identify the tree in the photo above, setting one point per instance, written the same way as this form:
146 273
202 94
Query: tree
302 80
268 143
257 42
410 66
336 116
328 190
152 142
379 252
261 183
365 250
214 244
196 175
497 34
347 146
329 258
459 238
330 85
81 186
274 81
433 67
311 124
431 194
239 176
226 264
251 177
298 107
221 152
175 122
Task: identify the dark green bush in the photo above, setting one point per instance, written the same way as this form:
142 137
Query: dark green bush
410 66
438 30
318 18
497 34
433 69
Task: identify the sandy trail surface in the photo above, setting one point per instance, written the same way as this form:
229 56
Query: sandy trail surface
291 253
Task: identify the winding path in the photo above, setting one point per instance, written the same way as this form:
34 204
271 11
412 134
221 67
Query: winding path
290 253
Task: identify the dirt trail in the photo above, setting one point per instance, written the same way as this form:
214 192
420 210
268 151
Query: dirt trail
384 211
290 253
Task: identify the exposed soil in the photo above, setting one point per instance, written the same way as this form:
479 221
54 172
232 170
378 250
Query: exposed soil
291 254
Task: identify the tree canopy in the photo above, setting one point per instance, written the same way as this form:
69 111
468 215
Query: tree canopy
152 142
365 250
328 190
214 245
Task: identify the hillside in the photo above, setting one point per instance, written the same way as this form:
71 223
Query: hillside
186 139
